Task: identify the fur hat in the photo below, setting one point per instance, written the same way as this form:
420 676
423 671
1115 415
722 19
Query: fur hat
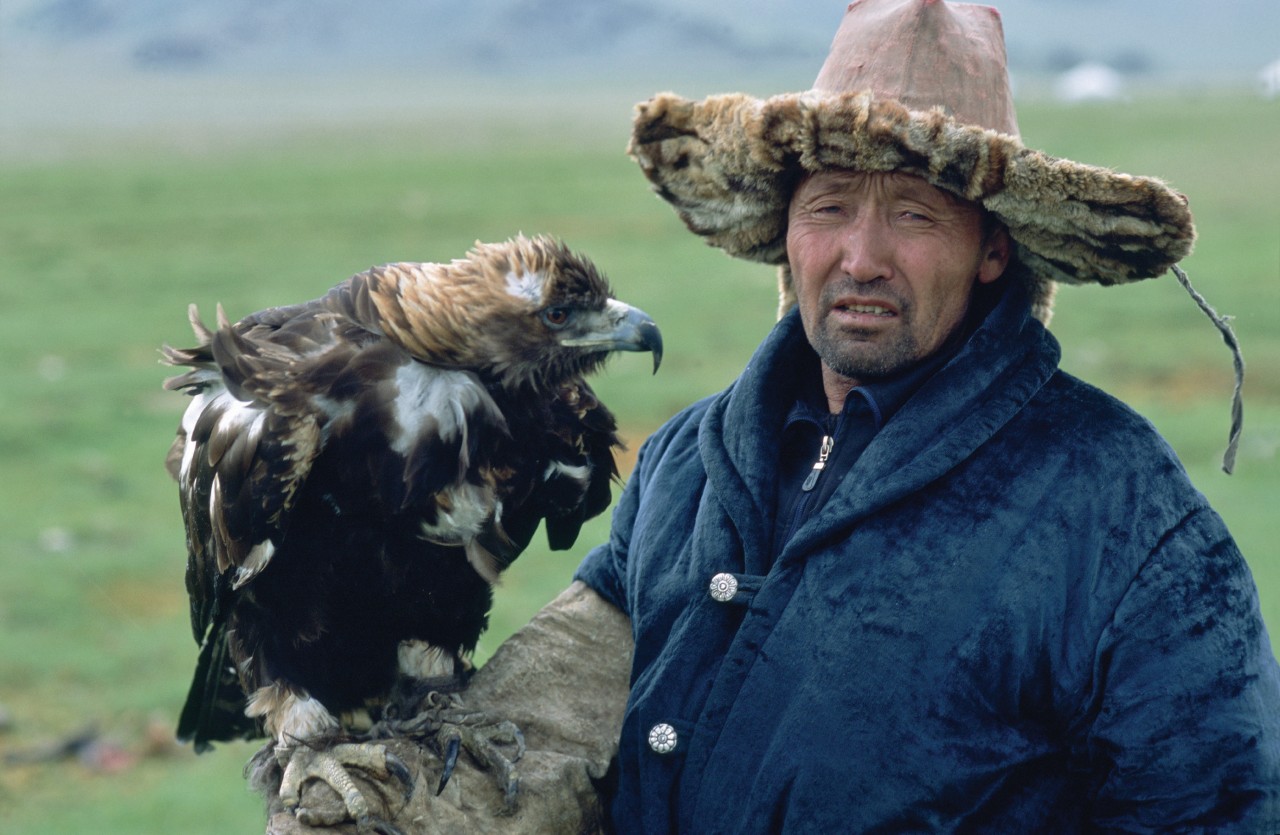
919 87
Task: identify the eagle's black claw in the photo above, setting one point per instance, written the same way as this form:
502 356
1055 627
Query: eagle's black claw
378 825
450 760
400 771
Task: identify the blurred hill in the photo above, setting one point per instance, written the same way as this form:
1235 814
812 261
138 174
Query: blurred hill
323 36
67 65
1174 38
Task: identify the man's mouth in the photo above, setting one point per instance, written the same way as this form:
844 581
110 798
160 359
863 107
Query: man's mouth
863 310
870 309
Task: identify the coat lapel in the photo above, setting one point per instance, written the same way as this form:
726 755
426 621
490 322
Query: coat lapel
1008 360
738 440
1002 366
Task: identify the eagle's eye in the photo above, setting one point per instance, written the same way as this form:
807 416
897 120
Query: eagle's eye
556 317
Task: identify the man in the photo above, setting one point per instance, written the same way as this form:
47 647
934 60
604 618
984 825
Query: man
905 574
966 592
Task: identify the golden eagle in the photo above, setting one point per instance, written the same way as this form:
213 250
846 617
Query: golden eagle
355 471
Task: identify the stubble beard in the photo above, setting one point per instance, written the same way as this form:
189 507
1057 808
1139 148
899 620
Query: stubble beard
864 355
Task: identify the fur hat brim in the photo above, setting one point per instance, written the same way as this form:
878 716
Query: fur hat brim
728 165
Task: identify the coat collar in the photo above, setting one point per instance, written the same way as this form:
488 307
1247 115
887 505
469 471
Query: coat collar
996 372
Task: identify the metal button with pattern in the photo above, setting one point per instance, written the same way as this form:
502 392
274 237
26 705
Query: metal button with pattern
723 587
662 738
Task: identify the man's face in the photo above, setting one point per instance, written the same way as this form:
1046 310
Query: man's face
884 265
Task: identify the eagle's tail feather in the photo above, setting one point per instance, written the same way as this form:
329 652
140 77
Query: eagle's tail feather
214 711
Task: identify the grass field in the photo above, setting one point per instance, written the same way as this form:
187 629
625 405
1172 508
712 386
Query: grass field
101 251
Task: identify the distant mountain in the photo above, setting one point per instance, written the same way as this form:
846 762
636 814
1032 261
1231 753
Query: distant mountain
488 38
599 39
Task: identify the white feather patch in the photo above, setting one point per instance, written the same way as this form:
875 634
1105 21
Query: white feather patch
469 508
419 659
238 415
259 556
426 395
335 410
578 472
221 560
436 399
526 285
195 408
289 716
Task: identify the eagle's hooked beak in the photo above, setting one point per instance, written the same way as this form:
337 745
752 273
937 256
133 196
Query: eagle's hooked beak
637 332
621 327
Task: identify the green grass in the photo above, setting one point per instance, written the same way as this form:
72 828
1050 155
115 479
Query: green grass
101 253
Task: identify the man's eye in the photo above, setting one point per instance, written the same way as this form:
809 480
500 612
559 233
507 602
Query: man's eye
556 317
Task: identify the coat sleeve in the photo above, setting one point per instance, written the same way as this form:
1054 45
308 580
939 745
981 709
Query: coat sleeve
1185 731
663 461
563 680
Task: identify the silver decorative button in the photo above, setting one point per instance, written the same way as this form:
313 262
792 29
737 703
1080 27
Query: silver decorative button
662 738
723 587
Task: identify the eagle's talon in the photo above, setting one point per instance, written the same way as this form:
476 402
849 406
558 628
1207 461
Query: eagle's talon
332 768
377 825
398 769
447 728
450 761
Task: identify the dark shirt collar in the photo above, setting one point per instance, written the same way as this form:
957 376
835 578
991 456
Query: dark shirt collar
879 399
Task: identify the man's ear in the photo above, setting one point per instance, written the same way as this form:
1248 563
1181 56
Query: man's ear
996 250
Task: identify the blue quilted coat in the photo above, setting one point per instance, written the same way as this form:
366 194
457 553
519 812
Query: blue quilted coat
1015 615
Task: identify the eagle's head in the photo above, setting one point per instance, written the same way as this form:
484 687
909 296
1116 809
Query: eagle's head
524 312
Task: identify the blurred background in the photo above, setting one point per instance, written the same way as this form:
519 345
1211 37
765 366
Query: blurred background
155 153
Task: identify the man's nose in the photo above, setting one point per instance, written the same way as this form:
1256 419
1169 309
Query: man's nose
866 246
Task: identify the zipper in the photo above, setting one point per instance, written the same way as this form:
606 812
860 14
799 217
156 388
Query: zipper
801 509
824 452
